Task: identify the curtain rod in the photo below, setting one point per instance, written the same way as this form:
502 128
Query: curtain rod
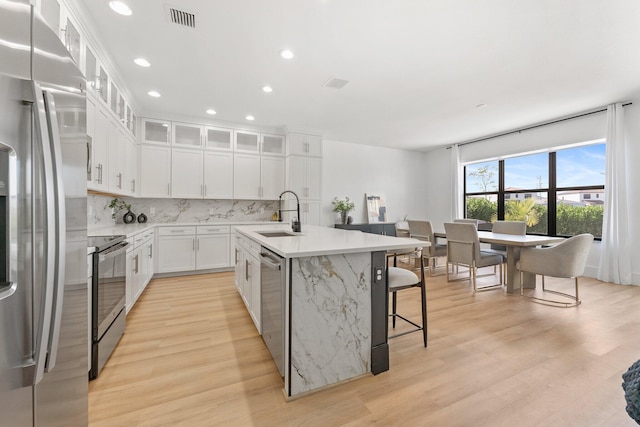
537 126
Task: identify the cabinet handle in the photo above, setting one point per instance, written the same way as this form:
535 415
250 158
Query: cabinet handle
236 260
120 181
197 244
169 188
306 147
133 185
137 257
246 269
194 243
151 250
99 168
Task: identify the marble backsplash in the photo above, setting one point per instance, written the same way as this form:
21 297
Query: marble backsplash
167 211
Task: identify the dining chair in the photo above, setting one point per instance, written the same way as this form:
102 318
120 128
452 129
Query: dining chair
517 228
468 221
463 248
565 260
423 230
400 279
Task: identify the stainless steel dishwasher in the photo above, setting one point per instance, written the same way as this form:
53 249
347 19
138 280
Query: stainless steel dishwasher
272 291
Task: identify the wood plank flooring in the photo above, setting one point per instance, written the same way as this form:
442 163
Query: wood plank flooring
191 356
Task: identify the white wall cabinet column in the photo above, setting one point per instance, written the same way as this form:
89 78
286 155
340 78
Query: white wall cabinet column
246 176
304 174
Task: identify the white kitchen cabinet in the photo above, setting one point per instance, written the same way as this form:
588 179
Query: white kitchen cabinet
218 138
176 249
272 175
212 247
257 177
247 276
304 144
246 176
140 266
186 173
218 175
272 145
310 212
246 142
119 169
187 135
155 171
156 131
99 151
303 176
131 166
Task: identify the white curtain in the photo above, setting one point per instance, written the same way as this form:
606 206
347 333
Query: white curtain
456 188
615 257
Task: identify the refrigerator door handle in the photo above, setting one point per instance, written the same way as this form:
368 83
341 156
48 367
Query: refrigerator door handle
60 228
9 287
42 333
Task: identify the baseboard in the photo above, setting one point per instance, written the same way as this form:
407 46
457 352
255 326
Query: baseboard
592 271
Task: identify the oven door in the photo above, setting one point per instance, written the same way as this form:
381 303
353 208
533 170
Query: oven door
109 287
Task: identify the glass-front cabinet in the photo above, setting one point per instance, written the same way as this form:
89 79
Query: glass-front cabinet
156 131
246 141
90 68
187 135
103 84
273 144
218 138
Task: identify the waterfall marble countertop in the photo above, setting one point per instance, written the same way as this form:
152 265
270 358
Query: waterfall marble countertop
133 229
315 240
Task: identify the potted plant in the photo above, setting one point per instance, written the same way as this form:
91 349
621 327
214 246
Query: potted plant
117 205
343 206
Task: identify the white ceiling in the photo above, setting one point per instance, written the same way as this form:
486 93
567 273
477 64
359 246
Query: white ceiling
417 69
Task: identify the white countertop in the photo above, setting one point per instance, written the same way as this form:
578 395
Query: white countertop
316 240
133 229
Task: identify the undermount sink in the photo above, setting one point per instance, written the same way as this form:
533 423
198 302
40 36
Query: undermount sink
276 233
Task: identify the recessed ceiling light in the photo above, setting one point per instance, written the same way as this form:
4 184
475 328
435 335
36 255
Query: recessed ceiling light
154 93
267 89
211 111
286 54
142 62
120 7
481 105
250 117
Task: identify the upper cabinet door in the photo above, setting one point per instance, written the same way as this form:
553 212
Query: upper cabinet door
156 131
187 135
273 144
304 145
218 138
247 142
90 70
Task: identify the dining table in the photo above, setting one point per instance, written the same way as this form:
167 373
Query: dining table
513 243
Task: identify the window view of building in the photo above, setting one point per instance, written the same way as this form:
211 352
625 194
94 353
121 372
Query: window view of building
560 193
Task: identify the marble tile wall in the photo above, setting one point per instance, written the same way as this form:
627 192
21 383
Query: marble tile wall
330 320
169 211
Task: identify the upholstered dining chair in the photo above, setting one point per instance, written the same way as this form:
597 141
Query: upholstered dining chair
400 279
565 260
423 230
463 248
468 221
518 228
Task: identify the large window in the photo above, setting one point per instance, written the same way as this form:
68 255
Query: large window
560 193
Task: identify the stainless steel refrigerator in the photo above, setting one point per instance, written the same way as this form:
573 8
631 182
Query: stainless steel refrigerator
43 289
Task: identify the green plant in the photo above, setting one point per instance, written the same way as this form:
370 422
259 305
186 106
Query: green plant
117 205
343 205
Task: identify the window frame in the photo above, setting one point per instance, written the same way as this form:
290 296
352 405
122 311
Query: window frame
552 191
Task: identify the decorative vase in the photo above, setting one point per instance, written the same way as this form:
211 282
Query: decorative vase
343 216
129 217
142 218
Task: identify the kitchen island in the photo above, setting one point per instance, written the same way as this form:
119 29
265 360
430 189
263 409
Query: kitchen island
333 302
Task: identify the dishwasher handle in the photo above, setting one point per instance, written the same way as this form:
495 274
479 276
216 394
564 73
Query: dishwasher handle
268 261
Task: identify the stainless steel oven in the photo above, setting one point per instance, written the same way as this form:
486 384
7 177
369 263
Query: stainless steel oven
107 298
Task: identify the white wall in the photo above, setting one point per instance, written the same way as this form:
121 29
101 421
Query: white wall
353 170
438 169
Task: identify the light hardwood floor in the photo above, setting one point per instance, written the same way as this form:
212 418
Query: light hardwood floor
191 356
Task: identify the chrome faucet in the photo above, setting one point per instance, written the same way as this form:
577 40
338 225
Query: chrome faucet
296 224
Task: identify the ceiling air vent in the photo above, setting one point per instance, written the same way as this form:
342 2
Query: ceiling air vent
181 17
335 83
